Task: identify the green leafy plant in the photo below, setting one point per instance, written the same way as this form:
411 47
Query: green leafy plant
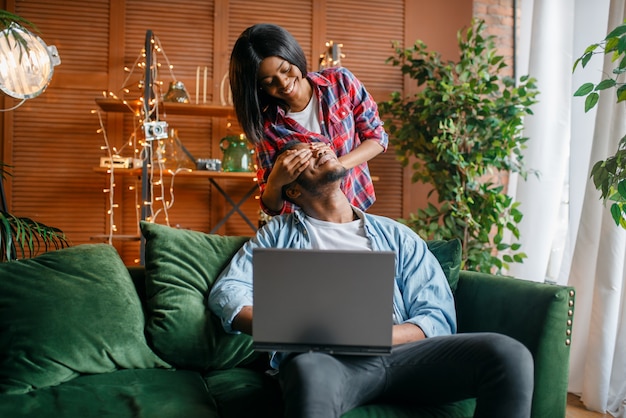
459 132
10 22
22 237
609 175
7 18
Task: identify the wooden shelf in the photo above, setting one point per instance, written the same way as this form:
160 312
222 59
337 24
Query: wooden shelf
209 110
184 173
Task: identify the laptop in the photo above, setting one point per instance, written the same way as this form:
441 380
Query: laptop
339 302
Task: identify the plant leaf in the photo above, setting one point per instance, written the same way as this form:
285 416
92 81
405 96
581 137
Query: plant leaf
618 31
616 213
584 90
605 84
621 189
591 101
621 93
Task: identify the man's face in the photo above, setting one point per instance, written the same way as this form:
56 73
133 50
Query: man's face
324 168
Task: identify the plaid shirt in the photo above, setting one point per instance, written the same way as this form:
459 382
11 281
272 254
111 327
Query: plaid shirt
348 116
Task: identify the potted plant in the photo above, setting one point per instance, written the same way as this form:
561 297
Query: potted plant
609 175
459 132
22 237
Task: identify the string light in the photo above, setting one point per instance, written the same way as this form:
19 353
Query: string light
142 150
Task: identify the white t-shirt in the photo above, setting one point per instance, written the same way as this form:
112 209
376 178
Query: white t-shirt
309 116
337 236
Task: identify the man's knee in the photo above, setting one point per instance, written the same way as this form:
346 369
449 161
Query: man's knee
513 354
311 385
511 359
309 367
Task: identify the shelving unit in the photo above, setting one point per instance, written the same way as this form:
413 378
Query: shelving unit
138 107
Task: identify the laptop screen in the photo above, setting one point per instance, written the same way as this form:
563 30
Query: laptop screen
319 300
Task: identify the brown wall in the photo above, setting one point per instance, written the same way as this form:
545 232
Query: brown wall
53 141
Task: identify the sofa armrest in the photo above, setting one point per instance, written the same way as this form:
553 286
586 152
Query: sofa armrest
537 314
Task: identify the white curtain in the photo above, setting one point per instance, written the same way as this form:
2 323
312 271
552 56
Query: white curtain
548 58
567 232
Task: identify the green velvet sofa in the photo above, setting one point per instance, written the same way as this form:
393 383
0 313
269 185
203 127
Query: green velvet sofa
82 335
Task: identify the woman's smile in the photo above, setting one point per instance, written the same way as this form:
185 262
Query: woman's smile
290 88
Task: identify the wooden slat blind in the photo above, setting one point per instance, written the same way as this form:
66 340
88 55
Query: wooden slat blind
293 15
367 44
54 137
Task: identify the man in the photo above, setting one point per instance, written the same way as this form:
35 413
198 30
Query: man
429 363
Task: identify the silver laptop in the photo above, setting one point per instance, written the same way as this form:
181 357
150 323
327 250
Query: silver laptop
339 302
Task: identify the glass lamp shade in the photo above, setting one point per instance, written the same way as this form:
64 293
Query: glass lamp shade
26 63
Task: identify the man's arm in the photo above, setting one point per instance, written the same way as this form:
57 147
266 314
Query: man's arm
406 333
425 299
243 320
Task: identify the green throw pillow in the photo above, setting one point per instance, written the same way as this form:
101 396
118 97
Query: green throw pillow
448 253
181 267
69 312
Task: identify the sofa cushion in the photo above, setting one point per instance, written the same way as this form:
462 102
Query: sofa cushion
448 253
69 312
242 392
145 393
181 267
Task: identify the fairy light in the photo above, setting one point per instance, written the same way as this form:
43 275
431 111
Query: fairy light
141 150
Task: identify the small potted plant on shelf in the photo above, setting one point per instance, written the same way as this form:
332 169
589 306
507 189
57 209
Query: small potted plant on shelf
609 175
459 133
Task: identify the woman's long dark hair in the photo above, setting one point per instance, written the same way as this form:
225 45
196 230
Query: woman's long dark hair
254 45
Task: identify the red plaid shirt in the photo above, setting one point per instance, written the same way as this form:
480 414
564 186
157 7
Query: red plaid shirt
348 116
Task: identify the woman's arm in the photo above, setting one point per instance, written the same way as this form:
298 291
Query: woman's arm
364 152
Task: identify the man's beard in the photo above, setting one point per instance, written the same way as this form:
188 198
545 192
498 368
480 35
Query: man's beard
314 185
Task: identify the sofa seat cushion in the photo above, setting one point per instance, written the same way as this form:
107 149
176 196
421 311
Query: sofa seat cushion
244 393
153 393
69 312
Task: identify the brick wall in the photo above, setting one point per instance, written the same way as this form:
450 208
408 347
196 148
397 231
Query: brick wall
499 18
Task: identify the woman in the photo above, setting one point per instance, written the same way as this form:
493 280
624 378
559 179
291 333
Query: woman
277 101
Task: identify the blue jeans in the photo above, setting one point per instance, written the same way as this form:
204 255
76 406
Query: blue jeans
495 369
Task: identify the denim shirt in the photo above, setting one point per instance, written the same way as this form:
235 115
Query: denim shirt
422 295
